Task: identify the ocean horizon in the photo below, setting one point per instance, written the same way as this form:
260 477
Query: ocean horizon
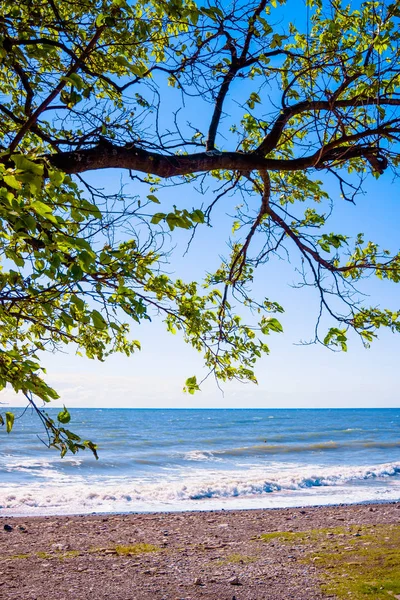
203 459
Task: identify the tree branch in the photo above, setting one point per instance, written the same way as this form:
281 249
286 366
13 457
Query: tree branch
108 155
59 87
271 140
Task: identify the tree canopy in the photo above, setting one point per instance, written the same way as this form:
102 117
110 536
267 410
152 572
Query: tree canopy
262 111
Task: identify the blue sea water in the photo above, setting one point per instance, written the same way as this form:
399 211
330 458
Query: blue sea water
152 460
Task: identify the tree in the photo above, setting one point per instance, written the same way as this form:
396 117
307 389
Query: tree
284 107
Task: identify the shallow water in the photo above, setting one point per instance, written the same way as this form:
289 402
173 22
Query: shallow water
204 459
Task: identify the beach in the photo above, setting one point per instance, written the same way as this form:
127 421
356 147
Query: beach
215 555
205 505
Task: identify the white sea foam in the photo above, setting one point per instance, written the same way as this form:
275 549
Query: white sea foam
198 455
210 489
40 468
12 463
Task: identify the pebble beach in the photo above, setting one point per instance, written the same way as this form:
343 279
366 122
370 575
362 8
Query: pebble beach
210 555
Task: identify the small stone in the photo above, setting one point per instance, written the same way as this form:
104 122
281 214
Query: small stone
22 529
8 528
198 581
235 581
59 547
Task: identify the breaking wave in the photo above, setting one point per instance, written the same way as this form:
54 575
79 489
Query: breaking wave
131 495
266 448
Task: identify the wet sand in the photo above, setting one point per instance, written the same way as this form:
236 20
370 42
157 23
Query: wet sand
215 555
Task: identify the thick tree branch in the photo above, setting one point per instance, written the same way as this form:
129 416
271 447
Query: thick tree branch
108 155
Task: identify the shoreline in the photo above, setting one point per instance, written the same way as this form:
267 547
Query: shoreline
196 555
184 511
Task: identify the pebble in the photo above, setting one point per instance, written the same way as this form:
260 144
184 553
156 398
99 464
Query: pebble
235 581
198 581
8 528
60 547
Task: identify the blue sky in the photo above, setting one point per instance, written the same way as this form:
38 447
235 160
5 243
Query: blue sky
292 375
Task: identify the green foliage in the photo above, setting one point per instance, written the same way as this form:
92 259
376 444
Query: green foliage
82 88
64 416
191 385
9 421
178 218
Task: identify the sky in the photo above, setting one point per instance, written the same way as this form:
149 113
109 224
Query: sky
292 376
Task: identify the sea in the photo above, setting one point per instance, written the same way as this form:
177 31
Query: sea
179 460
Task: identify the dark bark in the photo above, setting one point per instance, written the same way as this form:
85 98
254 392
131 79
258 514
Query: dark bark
106 156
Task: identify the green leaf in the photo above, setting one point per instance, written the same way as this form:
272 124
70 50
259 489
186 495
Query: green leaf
24 164
153 199
74 79
9 421
98 320
101 19
56 177
157 218
12 182
64 416
191 385
43 210
275 325
270 324
197 216
93 447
